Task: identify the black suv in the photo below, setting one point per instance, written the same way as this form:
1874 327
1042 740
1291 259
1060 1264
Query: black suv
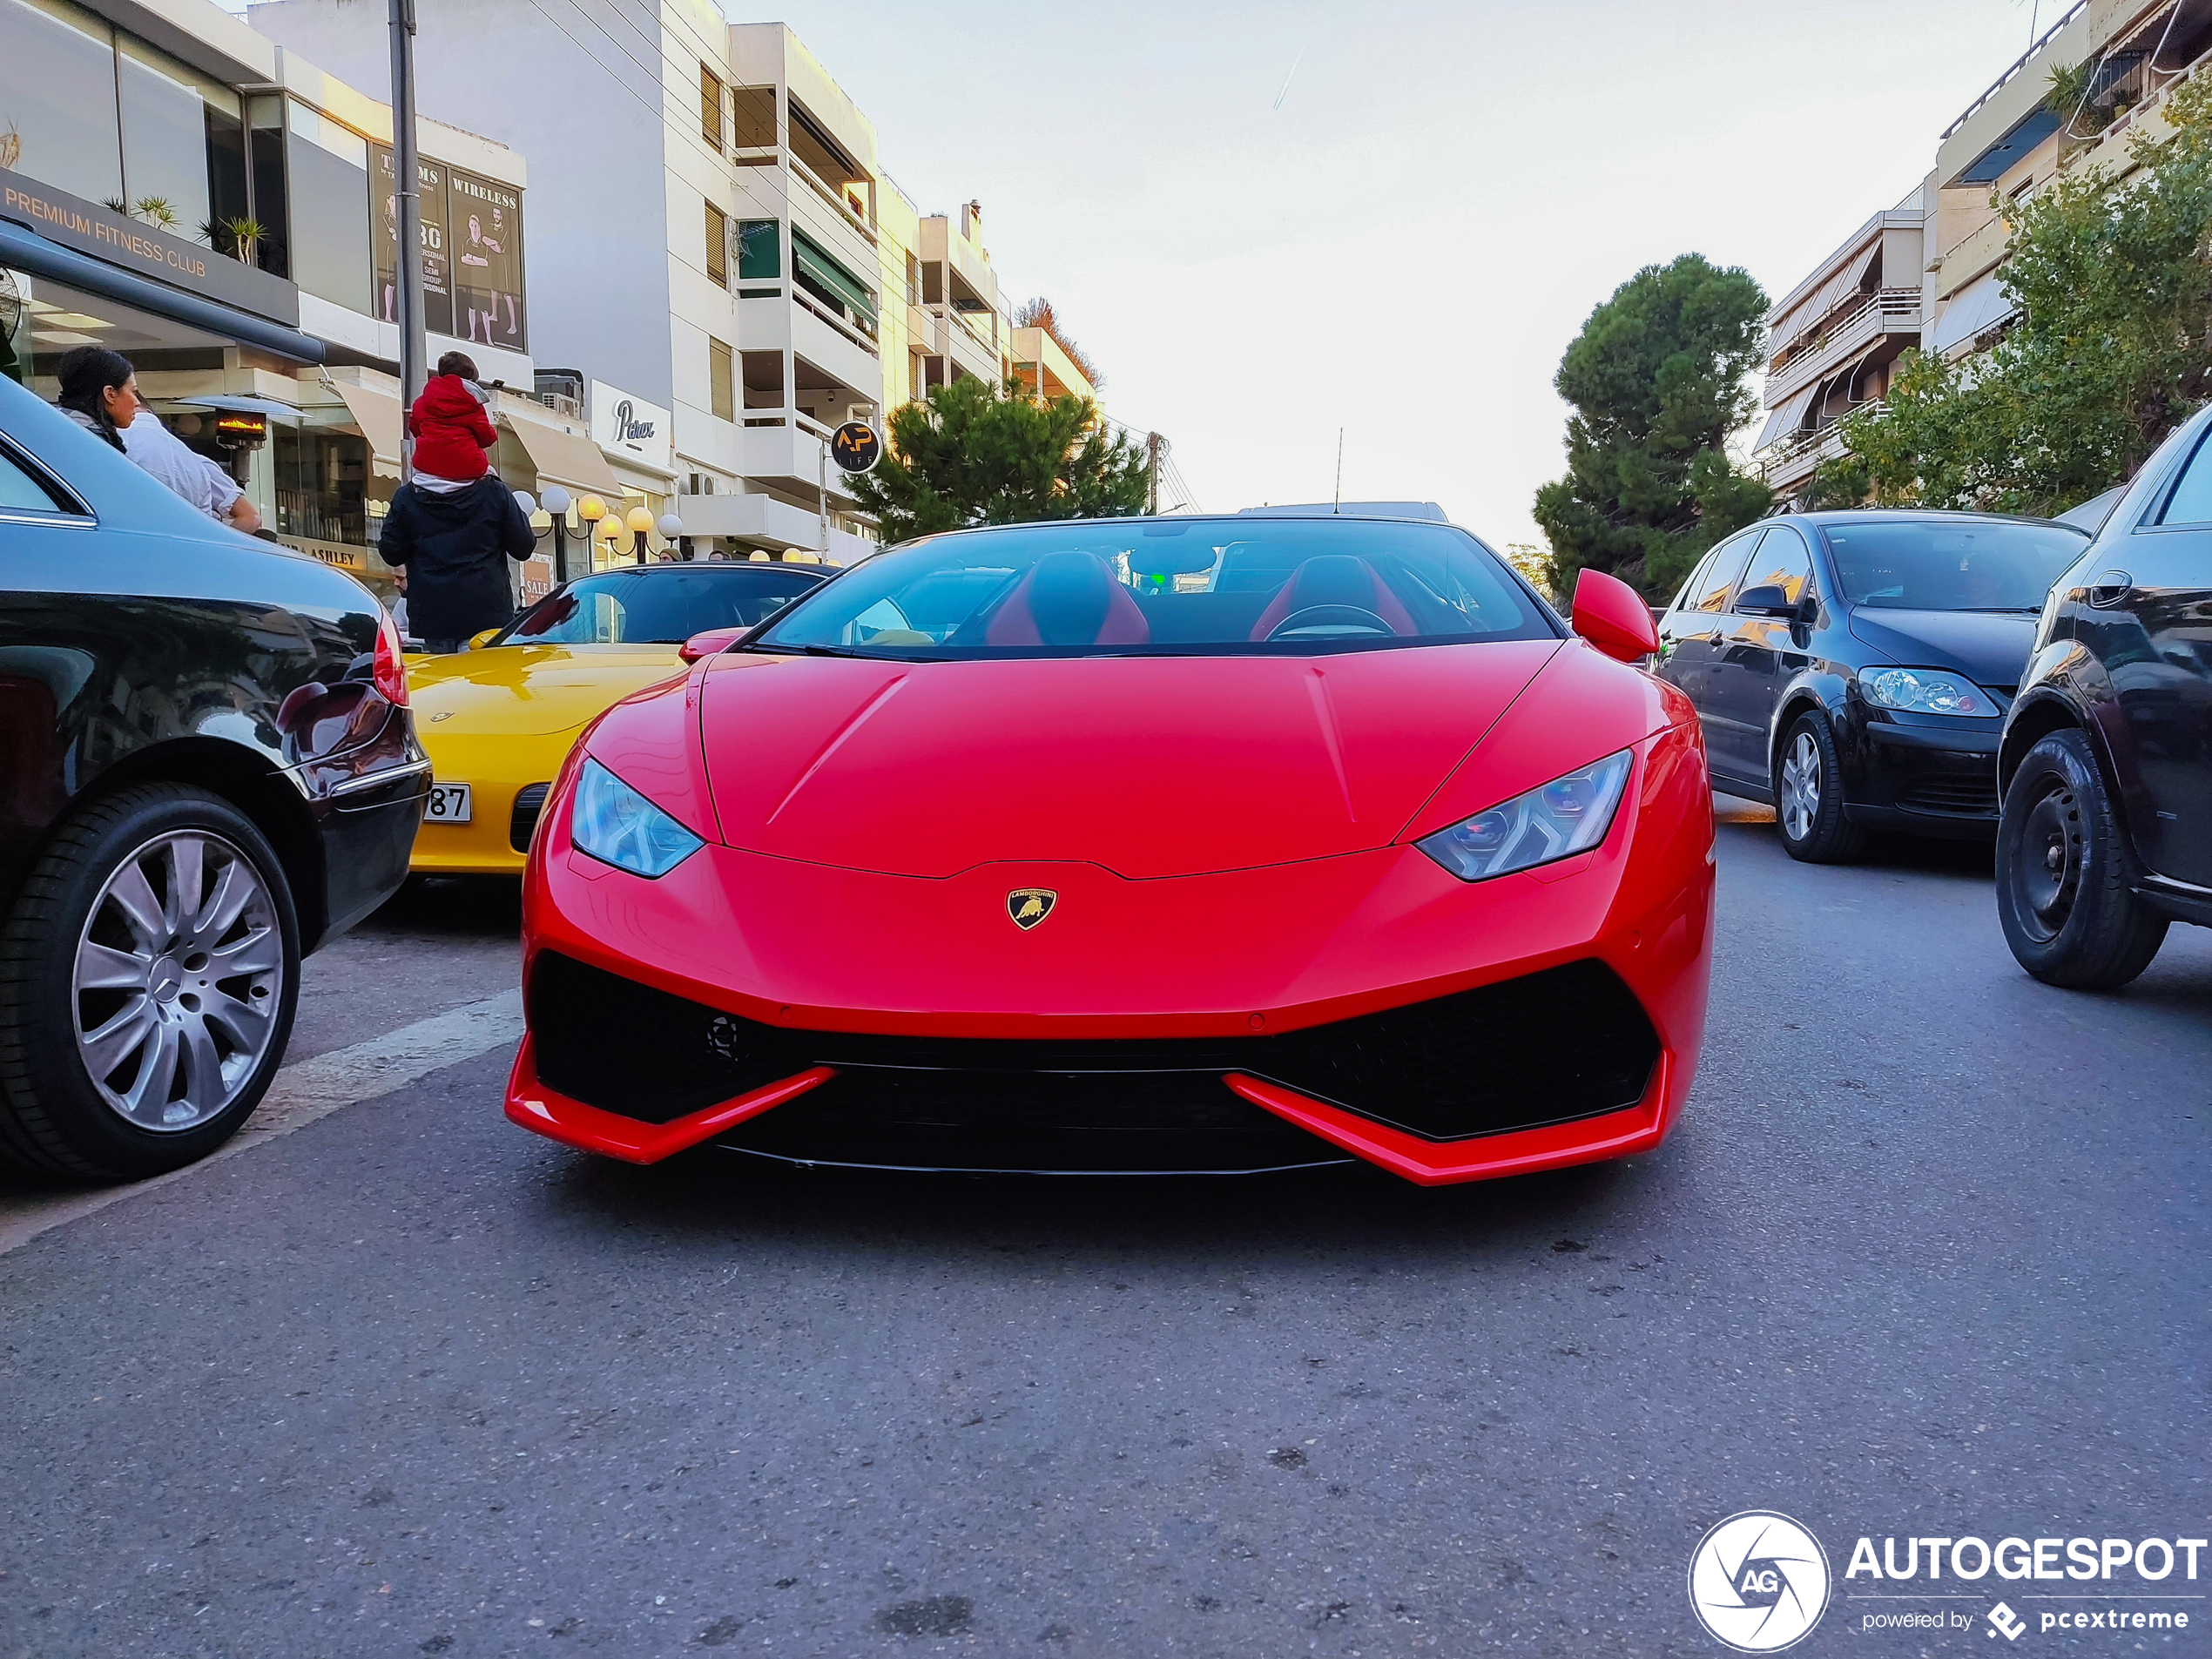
2107 758
1852 668
206 771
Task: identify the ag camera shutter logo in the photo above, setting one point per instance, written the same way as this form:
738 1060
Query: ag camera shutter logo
1758 1581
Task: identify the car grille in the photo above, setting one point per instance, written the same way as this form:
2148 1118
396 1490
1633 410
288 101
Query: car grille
1976 796
1567 1043
529 801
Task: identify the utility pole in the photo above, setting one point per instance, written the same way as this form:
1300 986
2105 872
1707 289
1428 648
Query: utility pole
1336 503
822 487
1152 469
407 190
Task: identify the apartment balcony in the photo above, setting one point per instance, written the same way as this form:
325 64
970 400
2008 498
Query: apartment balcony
1789 463
1037 354
1846 338
1973 256
759 521
785 448
793 320
966 345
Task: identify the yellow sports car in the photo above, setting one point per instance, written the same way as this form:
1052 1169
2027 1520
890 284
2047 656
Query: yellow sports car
499 719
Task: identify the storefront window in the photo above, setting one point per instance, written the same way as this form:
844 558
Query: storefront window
329 166
58 122
322 483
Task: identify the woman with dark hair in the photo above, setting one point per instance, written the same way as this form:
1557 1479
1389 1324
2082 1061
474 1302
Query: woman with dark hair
99 391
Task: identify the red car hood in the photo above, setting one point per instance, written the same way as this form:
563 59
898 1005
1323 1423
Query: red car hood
1148 766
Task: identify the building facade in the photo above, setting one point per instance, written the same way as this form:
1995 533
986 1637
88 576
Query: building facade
1833 340
179 188
1930 273
733 255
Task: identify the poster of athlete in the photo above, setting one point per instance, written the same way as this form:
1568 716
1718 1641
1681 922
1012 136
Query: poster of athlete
484 228
438 286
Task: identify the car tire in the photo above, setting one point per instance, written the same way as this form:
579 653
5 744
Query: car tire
149 973
2064 871
1809 796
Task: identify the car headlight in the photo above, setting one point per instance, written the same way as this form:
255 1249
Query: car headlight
618 825
1562 818
1926 691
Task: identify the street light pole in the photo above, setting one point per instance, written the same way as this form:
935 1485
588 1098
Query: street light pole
822 488
408 188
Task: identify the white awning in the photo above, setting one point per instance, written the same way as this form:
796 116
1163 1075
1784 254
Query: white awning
1786 418
563 457
376 417
1837 291
1978 307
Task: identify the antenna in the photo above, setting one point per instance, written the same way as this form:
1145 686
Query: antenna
1336 503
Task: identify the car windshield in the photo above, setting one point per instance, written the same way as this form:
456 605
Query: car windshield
1167 587
1937 564
657 605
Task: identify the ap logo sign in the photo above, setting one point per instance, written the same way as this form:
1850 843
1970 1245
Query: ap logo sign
1758 1581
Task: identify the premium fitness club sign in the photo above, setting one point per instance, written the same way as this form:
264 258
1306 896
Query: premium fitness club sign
109 236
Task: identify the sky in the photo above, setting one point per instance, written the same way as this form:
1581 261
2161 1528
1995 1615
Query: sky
1268 222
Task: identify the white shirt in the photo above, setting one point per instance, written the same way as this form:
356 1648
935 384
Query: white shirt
166 456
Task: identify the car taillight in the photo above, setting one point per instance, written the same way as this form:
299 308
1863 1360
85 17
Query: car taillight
391 666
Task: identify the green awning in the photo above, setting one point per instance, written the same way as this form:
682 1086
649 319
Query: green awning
811 258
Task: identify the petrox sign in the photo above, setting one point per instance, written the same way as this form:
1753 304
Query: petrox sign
624 423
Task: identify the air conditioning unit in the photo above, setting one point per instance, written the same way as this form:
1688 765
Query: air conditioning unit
699 484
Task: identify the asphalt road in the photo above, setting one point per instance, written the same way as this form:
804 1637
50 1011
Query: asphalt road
1927 1257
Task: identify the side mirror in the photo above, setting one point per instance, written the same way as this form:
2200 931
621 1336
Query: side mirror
477 642
1612 616
711 643
1766 600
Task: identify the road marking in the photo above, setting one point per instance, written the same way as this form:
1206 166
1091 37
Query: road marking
302 1093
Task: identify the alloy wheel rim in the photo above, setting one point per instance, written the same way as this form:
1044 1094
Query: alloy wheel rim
2046 870
1801 787
177 982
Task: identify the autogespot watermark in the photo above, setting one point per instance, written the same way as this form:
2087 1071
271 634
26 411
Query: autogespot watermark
1759 1582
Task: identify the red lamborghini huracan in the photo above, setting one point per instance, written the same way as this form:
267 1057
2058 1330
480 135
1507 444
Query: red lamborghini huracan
1187 844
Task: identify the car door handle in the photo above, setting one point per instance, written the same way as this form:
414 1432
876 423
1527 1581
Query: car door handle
2111 588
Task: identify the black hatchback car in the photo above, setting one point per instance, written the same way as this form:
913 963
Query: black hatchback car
2107 758
206 771
1853 668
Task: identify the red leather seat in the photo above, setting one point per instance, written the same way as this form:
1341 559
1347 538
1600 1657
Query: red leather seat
1335 579
1069 599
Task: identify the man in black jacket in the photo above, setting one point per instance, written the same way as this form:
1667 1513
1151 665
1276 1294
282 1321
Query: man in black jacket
450 542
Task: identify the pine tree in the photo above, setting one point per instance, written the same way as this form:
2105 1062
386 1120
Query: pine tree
1658 381
972 454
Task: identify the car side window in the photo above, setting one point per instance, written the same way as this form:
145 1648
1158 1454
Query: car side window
19 489
1783 562
2190 501
1718 578
1696 577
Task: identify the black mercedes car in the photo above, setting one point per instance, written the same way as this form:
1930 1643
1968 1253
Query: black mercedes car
2106 756
1853 668
206 772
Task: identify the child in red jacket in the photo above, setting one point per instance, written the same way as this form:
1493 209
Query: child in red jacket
451 429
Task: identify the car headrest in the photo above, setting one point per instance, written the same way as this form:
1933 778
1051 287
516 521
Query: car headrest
1069 599
1335 579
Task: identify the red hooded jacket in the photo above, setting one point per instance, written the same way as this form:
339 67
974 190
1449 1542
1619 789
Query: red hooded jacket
451 430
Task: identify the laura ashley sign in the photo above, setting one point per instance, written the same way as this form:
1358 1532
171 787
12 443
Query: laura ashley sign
109 236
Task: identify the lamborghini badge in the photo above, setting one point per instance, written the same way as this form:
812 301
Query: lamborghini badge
1029 906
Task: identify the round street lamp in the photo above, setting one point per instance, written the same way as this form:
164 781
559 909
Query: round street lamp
670 528
640 521
556 503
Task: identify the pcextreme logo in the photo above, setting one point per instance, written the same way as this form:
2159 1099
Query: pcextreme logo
1758 1581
